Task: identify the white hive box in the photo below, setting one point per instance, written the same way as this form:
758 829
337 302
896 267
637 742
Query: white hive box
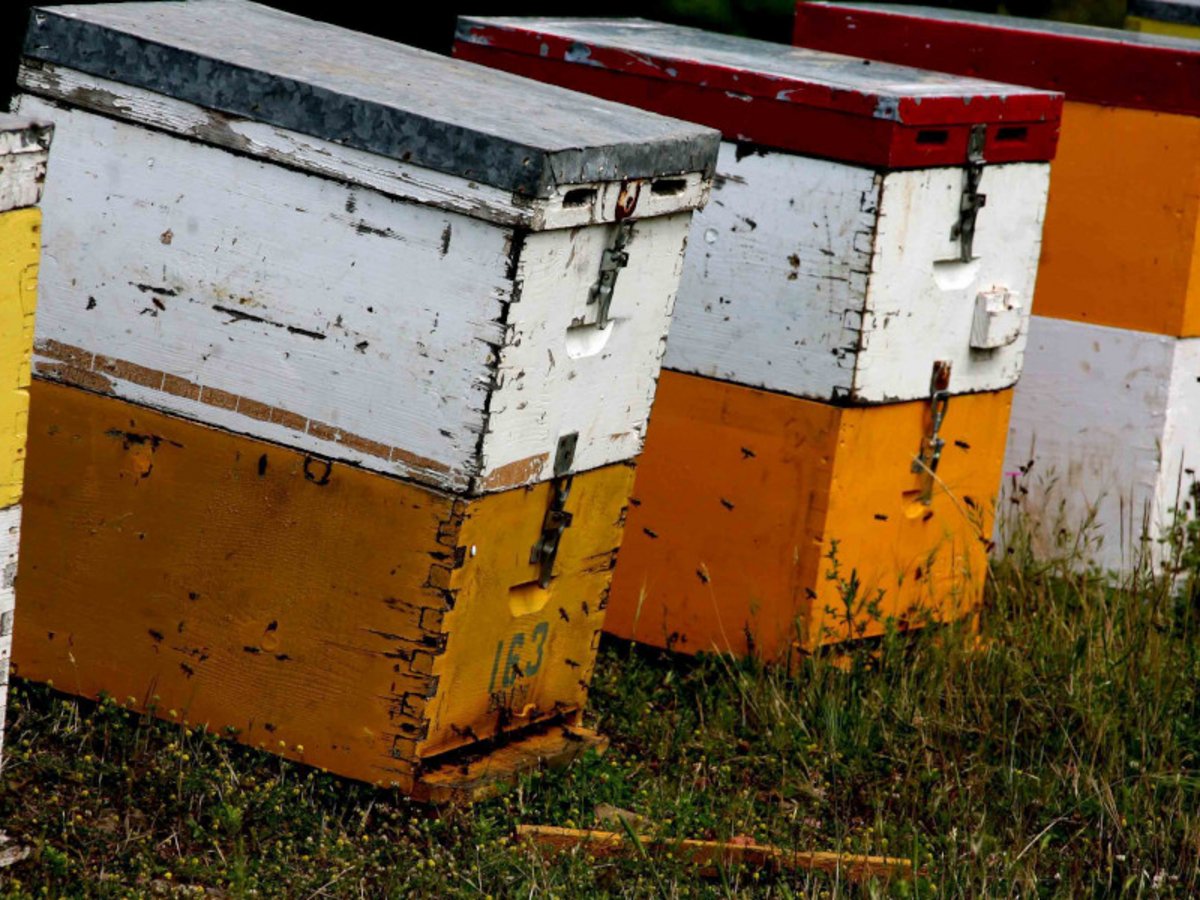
1103 431
830 264
395 261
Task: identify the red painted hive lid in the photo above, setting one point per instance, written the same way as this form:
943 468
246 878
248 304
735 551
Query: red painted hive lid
798 100
1089 64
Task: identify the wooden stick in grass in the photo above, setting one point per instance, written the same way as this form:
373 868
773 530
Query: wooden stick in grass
711 854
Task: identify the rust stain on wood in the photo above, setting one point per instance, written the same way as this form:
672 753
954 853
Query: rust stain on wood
85 369
514 473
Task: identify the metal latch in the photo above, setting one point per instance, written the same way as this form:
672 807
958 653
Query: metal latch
971 200
557 519
614 259
926 462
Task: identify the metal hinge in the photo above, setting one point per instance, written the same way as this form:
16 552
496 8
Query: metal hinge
971 200
926 462
557 519
615 258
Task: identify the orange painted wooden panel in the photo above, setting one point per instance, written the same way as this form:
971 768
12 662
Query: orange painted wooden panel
327 613
1122 223
741 493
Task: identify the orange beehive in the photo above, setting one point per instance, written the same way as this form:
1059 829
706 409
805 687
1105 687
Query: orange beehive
825 447
1104 420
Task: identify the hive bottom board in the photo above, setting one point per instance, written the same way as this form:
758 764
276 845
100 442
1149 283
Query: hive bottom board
10 530
741 496
1104 426
346 619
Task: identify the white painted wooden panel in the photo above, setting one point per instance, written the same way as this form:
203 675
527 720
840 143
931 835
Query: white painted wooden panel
22 163
322 157
10 531
823 280
776 274
1103 414
329 302
599 382
922 298
333 318
1181 436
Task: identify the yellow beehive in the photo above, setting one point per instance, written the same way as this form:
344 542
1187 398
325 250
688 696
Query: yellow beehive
343 353
23 149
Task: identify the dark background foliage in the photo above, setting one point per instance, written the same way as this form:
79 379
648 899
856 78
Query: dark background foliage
432 26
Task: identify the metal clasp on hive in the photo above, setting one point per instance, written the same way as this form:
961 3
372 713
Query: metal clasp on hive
971 200
926 462
614 259
557 519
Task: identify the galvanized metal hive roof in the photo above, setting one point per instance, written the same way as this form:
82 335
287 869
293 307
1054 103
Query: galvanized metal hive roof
252 61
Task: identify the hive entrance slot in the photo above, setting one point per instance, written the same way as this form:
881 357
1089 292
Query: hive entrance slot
934 137
668 187
1011 133
577 197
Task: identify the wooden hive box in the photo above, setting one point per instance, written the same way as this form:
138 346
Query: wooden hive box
845 280
1180 18
23 150
344 353
1104 418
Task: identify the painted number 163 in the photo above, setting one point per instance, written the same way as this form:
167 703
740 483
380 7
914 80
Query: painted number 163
513 663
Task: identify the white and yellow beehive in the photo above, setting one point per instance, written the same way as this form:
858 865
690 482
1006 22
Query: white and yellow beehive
23 150
849 307
345 350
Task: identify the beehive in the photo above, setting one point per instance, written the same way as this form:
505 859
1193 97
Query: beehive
1103 421
23 150
1176 17
344 352
845 281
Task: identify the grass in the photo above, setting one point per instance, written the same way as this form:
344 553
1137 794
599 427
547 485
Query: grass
1057 754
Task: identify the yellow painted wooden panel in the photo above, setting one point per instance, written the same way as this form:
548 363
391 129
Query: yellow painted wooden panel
20 243
307 605
741 494
1177 29
513 645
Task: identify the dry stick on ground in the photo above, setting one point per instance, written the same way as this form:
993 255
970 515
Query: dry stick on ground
710 855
